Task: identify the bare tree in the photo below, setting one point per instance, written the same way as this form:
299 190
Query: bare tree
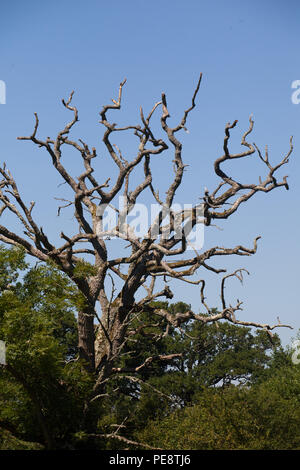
159 256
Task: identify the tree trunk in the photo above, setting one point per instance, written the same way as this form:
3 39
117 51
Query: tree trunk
86 338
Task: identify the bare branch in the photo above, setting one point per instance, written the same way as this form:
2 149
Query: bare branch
124 439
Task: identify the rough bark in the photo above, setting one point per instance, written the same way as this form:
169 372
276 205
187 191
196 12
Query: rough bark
86 338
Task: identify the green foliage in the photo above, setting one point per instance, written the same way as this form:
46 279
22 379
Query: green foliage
265 416
84 269
11 262
8 442
212 355
43 376
228 389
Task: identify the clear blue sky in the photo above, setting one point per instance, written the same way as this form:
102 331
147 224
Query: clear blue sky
249 55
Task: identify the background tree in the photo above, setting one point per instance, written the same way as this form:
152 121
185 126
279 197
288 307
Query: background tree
152 258
220 368
43 386
264 416
210 356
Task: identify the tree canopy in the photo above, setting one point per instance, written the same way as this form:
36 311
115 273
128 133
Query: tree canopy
228 383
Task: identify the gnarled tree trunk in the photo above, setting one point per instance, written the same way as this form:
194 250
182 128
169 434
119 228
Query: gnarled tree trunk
86 338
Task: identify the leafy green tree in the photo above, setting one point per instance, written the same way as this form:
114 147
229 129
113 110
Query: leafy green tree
265 416
43 385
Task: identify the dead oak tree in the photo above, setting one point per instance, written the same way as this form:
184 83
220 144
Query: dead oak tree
101 337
